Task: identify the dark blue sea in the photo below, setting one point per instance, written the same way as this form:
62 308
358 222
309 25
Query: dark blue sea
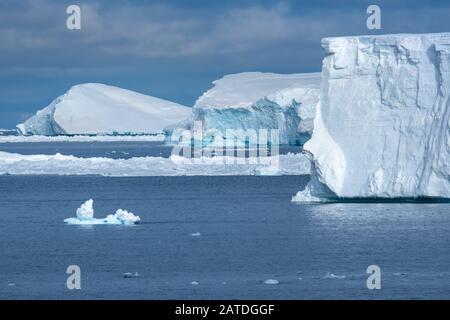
246 230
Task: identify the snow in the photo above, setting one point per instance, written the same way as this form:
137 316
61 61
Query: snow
256 100
382 127
94 108
80 138
85 216
58 164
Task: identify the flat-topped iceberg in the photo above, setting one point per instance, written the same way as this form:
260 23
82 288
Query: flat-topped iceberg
85 216
382 127
256 100
95 108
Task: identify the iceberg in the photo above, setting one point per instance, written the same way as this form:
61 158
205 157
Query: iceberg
85 216
256 100
382 126
95 109
86 211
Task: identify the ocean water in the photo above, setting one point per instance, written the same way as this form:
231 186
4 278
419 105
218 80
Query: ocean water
249 232
114 150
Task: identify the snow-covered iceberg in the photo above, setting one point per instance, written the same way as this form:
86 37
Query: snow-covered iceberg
382 126
255 100
94 108
85 216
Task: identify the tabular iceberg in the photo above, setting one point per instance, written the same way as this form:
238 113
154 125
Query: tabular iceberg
382 126
255 100
94 108
85 216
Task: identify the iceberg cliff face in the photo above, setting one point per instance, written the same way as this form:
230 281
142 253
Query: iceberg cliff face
255 100
382 127
94 108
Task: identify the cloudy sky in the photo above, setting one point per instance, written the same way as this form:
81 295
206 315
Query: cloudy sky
174 49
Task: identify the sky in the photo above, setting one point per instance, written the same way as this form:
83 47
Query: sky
175 49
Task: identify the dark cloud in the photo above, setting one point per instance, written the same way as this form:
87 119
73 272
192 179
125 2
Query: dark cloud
174 49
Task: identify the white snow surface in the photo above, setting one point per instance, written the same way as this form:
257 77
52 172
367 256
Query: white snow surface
242 90
95 108
58 164
382 127
85 216
256 100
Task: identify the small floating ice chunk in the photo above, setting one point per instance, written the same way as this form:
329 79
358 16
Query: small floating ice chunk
195 234
330 275
398 274
271 281
194 283
122 217
85 216
131 275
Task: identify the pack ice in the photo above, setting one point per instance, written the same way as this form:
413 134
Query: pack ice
58 164
94 108
382 127
256 100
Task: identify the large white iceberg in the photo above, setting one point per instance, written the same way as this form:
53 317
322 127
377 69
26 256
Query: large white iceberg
382 127
85 216
256 100
94 108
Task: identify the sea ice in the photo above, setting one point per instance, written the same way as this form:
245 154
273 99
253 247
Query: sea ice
195 234
330 275
271 281
58 164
